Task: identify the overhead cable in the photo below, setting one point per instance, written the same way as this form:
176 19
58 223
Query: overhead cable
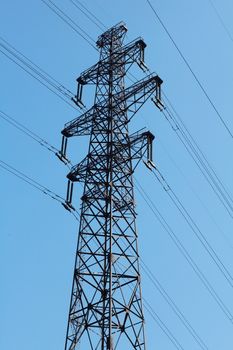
88 14
227 31
184 251
68 20
191 70
199 158
35 184
194 227
36 72
28 132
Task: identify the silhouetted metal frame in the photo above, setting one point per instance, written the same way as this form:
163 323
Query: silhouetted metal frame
106 305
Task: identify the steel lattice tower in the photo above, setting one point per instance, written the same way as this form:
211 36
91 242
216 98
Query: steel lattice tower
106 304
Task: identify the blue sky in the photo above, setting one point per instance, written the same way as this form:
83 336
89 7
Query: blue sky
38 237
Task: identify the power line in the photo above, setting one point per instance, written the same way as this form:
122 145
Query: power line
39 70
206 169
191 70
195 193
92 14
194 227
65 18
38 186
173 306
199 158
227 31
25 130
162 325
88 14
31 181
183 251
36 74
28 132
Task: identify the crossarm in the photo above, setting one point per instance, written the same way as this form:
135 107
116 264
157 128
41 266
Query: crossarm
134 97
133 52
140 144
137 94
126 56
81 125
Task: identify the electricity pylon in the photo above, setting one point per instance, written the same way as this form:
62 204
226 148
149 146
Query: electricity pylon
106 303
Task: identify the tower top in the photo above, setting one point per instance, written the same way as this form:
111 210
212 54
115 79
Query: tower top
117 32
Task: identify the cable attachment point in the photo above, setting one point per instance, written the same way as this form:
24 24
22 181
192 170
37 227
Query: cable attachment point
68 203
143 66
149 162
62 153
157 100
78 98
141 60
159 104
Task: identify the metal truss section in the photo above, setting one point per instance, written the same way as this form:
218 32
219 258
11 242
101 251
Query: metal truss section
139 143
130 101
129 54
106 310
113 37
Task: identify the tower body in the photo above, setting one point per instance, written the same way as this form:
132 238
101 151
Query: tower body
106 304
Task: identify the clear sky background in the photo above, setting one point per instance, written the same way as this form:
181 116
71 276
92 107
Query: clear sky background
38 236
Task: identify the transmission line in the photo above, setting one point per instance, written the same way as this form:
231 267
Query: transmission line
191 70
39 70
197 155
194 227
38 186
36 72
88 14
31 181
28 132
92 14
195 193
200 159
173 306
227 31
183 251
162 325
68 20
